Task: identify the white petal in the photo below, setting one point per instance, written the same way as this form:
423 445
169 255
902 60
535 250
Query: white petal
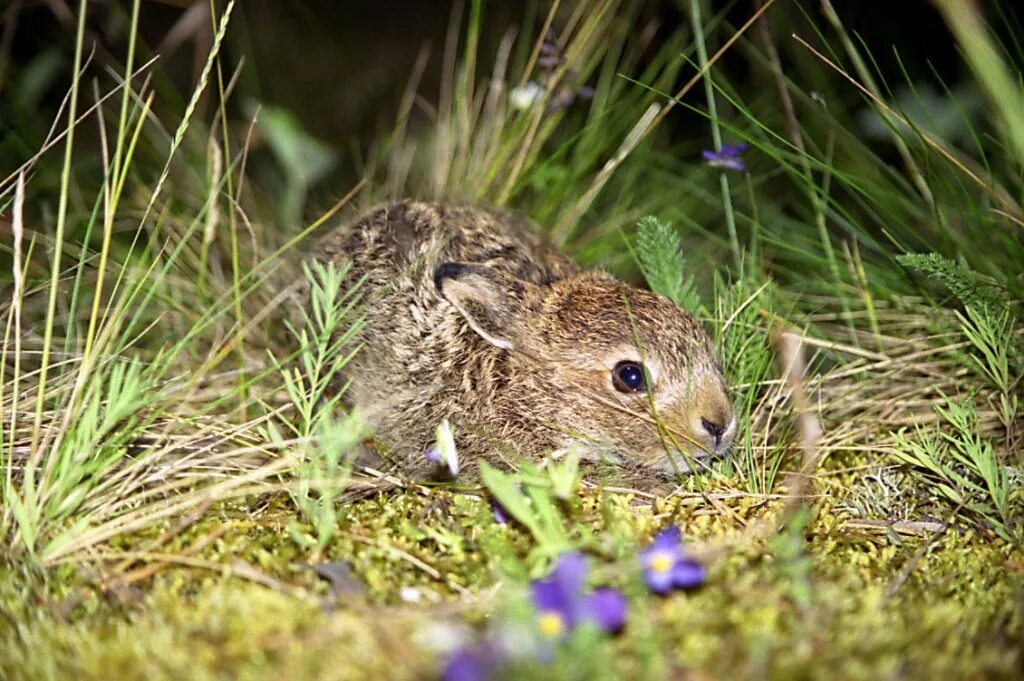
446 447
524 97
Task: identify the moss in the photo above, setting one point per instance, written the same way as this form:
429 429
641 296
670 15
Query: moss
230 629
817 600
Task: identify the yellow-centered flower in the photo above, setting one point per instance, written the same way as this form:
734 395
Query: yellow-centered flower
551 624
660 563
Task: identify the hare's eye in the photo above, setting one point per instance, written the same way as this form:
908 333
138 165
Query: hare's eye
628 377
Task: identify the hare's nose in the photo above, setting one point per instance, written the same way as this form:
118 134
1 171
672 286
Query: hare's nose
714 429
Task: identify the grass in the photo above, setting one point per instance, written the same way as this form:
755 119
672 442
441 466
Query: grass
175 467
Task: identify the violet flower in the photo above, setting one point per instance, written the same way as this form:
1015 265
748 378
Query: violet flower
551 59
501 516
606 607
472 663
727 158
666 566
585 92
552 55
562 604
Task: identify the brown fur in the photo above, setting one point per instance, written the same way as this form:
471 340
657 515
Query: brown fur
470 317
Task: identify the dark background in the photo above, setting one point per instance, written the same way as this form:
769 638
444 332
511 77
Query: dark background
341 67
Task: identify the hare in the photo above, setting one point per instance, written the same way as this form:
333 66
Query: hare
469 317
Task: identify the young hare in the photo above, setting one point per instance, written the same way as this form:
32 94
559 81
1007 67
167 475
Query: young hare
470 318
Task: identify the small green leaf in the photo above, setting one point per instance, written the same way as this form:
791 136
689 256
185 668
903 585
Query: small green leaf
505 489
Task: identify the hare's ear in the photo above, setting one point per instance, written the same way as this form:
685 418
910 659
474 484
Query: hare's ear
487 300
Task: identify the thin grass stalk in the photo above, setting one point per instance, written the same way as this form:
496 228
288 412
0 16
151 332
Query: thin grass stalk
821 219
179 135
443 151
87 364
122 121
397 180
186 120
857 266
462 100
563 223
541 123
493 115
116 179
755 223
112 195
535 53
215 169
561 232
793 127
716 133
62 213
18 230
232 214
80 268
53 139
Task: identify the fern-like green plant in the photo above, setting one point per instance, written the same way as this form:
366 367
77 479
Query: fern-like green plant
659 255
323 473
989 324
326 341
963 282
742 338
994 351
962 467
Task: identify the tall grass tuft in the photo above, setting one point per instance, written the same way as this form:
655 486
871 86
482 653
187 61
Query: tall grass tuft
115 409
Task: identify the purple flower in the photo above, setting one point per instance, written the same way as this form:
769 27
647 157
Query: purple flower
562 604
727 158
550 44
551 59
501 516
551 55
666 566
558 597
606 608
472 663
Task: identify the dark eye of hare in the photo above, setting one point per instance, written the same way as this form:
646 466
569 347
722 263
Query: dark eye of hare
628 377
